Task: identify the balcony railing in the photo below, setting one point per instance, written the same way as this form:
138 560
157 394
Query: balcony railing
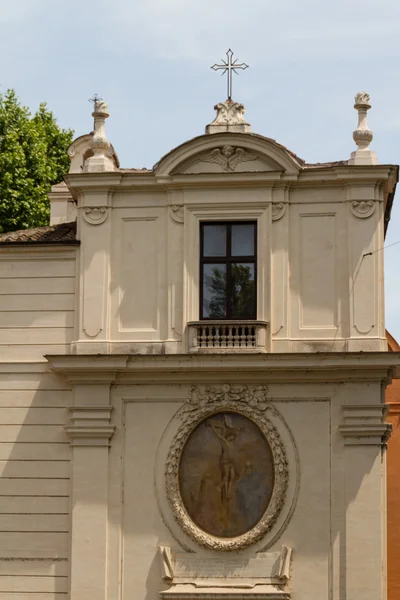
227 336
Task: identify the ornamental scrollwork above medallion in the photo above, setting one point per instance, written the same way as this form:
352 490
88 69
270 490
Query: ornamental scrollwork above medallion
363 208
95 215
226 473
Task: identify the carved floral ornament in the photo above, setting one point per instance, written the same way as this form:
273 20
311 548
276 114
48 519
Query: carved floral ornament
95 215
215 410
363 208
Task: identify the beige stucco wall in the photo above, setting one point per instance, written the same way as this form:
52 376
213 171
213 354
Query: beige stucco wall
37 302
34 483
320 271
86 521
331 421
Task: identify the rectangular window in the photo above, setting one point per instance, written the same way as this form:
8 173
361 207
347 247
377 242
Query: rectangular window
228 270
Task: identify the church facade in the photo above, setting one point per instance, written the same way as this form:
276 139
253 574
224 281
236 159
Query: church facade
193 365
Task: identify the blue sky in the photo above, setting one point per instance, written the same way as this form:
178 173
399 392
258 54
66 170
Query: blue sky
150 60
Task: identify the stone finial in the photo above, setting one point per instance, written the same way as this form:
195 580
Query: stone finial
100 145
230 117
362 135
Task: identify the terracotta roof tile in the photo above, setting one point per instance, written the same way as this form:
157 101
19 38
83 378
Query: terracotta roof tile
336 163
59 234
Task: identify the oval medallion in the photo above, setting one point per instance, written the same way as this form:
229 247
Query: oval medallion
226 475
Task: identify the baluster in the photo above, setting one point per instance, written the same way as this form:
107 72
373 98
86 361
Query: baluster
213 336
234 337
229 339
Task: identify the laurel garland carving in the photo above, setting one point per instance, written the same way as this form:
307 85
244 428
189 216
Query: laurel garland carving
95 215
251 402
363 208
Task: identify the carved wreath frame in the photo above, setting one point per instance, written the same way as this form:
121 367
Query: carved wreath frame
246 401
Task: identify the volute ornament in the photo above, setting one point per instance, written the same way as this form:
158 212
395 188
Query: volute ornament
363 208
214 408
278 210
95 215
176 212
229 117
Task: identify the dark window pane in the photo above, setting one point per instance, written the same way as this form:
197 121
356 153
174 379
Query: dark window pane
214 240
214 291
243 240
243 291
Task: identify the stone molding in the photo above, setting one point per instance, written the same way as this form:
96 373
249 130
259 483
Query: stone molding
90 425
364 425
95 215
251 402
274 367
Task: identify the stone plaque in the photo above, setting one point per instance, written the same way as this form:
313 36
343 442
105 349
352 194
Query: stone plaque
226 475
186 567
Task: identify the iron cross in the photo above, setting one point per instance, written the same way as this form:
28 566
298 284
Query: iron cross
229 66
95 99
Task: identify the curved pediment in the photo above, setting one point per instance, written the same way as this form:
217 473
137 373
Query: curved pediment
228 153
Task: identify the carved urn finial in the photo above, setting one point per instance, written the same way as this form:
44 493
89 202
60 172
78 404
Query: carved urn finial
362 135
230 117
100 145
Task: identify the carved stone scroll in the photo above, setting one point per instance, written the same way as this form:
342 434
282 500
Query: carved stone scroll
363 208
95 215
176 212
278 210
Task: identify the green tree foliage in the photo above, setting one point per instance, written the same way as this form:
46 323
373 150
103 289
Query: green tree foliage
33 157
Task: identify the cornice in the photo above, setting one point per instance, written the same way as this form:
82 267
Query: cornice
59 250
374 366
339 176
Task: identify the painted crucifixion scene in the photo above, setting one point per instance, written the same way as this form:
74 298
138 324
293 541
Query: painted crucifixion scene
226 475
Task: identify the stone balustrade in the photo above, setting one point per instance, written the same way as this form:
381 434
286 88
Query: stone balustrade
224 336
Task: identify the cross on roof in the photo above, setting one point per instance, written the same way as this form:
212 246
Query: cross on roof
229 66
95 98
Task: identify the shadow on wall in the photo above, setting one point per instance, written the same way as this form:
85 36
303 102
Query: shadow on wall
393 482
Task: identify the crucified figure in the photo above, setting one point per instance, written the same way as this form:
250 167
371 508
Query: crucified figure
226 433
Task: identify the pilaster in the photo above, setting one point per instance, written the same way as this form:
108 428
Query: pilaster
95 222
365 434
90 430
365 240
